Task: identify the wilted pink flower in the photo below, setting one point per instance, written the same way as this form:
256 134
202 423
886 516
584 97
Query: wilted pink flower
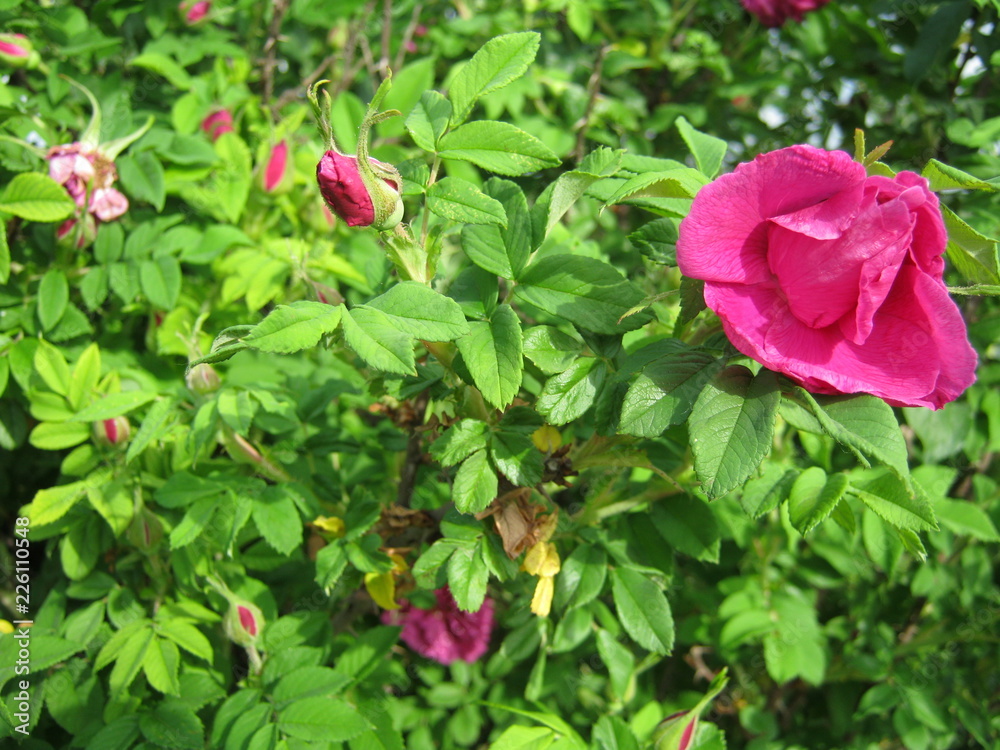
830 276
276 167
444 633
84 172
774 13
194 12
346 193
217 123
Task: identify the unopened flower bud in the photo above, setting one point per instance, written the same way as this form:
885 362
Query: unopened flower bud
243 622
145 531
16 51
112 432
217 123
77 233
676 732
278 172
193 12
202 379
360 201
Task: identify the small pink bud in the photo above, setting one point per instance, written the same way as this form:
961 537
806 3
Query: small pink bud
194 12
359 205
77 233
112 432
676 732
276 168
217 123
411 46
243 622
202 379
16 51
421 30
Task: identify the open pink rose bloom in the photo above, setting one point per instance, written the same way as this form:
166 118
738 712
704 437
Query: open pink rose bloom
88 176
444 633
774 13
830 276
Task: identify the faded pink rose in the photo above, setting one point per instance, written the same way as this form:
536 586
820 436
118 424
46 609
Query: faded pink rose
217 123
88 176
830 276
774 13
444 633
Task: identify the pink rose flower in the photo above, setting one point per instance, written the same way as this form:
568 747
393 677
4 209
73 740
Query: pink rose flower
774 13
217 123
85 172
444 633
108 204
345 191
830 276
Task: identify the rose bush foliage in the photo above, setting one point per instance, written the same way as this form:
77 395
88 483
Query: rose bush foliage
252 446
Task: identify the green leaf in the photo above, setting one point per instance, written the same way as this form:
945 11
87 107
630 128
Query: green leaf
550 349
524 738
582 577
173 724
708 150
467 577
731 427
493 354
498 147
475 484
885 493
51 366
421 312
194 522
567 396
188 637
230 185
611 732
964 517
973 254
459 200
459 441
36 197
114 405
152 428
331 562
163 66
643 610
129 659
503 252
291 328
86 373
765 493
813 497
142 176
160 664
429 119
585 291
277 519
569 187
657 240
53 503
376 340
682 182
161 281
53 296
666 390
516 457
498 62
944 177
54 436
866 425
689 525
4 255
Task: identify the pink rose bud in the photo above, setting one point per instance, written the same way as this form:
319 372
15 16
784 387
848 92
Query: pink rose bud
410 46
774 13
145 531
217 123
277 168
77 233
676 732
444 633
194 12
421 30
112 432
831 276
360 201
16 51
202 379
243 622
